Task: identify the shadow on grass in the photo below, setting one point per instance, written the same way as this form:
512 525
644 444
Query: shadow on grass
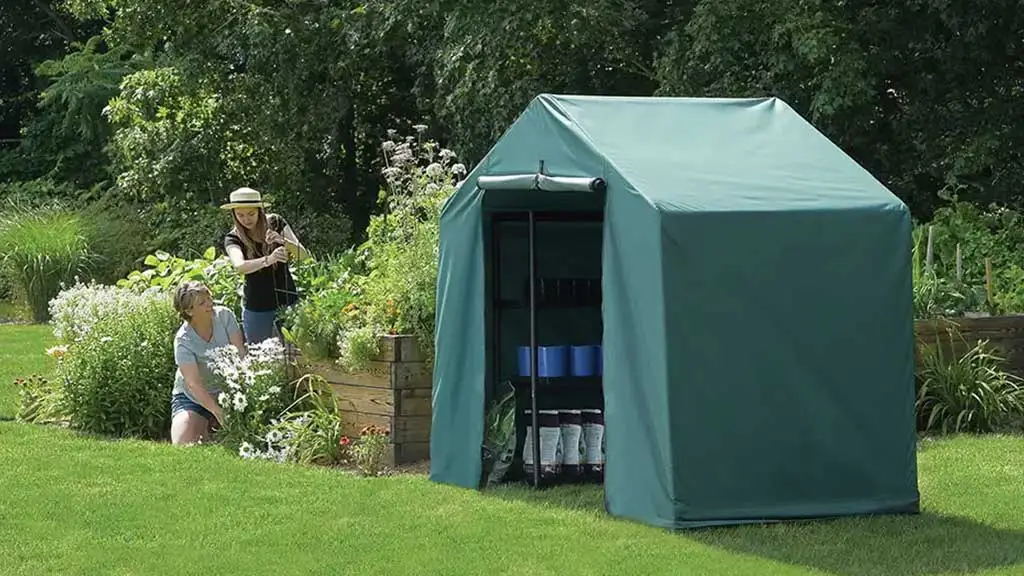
918 545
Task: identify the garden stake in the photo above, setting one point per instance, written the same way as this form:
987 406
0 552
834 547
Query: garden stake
533 353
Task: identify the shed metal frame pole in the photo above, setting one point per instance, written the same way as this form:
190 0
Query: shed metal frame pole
534 351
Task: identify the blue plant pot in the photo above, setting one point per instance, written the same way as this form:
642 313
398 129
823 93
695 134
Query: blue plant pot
585 360
552 361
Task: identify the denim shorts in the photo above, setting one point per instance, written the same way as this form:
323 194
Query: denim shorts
258 326
181 403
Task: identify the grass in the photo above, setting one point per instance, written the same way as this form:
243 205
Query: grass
22 353
72 504
43 247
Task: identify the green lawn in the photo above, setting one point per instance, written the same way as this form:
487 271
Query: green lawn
70 504
22 353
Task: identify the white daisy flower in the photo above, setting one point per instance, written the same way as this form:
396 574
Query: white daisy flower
246 450
240 401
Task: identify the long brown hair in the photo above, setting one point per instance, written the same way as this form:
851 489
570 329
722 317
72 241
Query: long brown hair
254 247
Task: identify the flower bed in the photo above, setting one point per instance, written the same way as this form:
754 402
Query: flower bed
393 393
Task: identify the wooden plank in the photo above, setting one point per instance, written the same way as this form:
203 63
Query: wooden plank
365 399
992 324
403 429
1005 333
390 349
353 422
408 453
390 375
408 375
414 402
399 348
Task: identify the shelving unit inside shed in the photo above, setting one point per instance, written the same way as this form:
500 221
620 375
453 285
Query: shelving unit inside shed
560 251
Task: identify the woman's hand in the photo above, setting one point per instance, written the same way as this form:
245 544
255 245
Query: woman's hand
278 255
275 238
289 241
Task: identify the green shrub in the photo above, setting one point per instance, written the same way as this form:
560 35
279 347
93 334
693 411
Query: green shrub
43 249
317 321
397 294
165 272
119 368
37 193
119 238
968 392
186 228
994 234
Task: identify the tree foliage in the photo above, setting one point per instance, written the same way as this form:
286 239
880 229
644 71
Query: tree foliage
176 102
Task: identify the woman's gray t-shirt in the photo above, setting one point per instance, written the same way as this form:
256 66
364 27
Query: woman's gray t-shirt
190 348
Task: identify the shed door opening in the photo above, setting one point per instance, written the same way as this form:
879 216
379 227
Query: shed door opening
566 312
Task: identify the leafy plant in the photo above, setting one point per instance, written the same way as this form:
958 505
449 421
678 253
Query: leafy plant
118 370
499 437
43 249
318 320
936 296
966 392
165 272
312 434
369 453
994 235
1008 290
359 346
41 401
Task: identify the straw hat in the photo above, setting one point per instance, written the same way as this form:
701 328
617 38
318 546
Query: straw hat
245 198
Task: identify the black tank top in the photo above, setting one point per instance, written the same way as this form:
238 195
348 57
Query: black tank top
267 288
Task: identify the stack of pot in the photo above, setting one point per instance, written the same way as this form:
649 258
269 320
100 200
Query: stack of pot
571 446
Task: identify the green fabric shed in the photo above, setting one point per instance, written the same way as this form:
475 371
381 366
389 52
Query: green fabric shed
756 315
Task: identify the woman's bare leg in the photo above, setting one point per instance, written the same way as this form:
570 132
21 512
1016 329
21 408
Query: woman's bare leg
188 428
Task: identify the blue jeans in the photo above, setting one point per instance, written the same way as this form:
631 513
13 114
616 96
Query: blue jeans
258 326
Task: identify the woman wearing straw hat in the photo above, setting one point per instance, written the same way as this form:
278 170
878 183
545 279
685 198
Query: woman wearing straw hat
259 246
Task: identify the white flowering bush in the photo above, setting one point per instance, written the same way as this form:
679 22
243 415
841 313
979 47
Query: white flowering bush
253 394
117 363
76 309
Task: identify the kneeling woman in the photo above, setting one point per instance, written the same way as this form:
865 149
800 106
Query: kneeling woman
194 404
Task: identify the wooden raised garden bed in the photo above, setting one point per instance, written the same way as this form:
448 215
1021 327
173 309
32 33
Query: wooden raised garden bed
393 392
1004 332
